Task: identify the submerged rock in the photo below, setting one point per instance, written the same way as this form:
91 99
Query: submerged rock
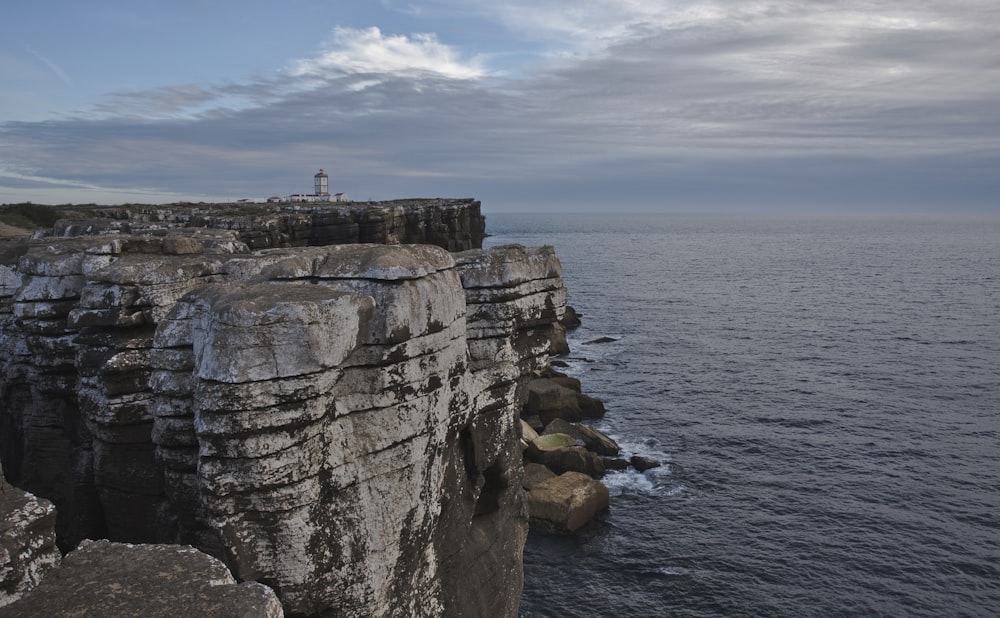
642 464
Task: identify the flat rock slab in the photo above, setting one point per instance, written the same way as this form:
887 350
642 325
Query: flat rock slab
148 581
564 503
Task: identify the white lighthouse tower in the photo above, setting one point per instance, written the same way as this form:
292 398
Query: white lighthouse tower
322 183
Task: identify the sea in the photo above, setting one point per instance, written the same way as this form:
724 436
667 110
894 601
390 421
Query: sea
823 393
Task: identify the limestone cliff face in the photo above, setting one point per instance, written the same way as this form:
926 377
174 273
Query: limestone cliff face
337 422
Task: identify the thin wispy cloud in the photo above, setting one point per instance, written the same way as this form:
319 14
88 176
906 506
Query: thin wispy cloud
55 68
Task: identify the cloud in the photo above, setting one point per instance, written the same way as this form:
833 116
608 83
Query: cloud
698 100
368 51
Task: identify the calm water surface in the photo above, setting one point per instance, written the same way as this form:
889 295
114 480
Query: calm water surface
826 394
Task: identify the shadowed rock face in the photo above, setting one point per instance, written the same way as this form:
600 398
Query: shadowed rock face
453 224
339 422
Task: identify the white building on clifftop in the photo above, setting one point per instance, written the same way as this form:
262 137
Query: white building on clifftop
321 191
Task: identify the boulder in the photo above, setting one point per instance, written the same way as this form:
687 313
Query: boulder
562 380
642 464
570 319
550 400
551 441
597 442
573 459
534 474
590 407
153 581
559 453
563 504
615 463
559 425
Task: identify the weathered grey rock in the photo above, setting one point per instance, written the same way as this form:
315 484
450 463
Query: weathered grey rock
27 541
265 332
565 503
152 581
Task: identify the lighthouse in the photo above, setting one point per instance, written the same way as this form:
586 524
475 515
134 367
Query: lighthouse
322 183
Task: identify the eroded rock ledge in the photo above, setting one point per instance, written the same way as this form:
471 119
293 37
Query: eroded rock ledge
453 224
339 423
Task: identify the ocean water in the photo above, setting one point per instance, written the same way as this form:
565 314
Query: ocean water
824 393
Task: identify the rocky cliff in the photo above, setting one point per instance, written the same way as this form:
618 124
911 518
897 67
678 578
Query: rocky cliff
337 422
453 224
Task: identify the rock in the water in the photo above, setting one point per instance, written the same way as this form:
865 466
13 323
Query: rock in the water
615 463
590 407
642 464
591 438
570 319
559 453
596 441
559 425
153 581
601 340
565 503
570 383
27 541
573 459
550 400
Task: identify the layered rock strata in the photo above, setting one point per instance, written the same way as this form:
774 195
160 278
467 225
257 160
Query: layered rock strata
453 224
27 541
339 423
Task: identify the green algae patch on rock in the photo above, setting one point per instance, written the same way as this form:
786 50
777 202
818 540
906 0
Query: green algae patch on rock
553 441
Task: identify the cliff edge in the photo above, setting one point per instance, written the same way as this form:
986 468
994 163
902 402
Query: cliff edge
338 422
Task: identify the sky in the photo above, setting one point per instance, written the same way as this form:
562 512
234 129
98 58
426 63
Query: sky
526 105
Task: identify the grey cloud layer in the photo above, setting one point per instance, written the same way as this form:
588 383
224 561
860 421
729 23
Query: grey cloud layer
814 93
